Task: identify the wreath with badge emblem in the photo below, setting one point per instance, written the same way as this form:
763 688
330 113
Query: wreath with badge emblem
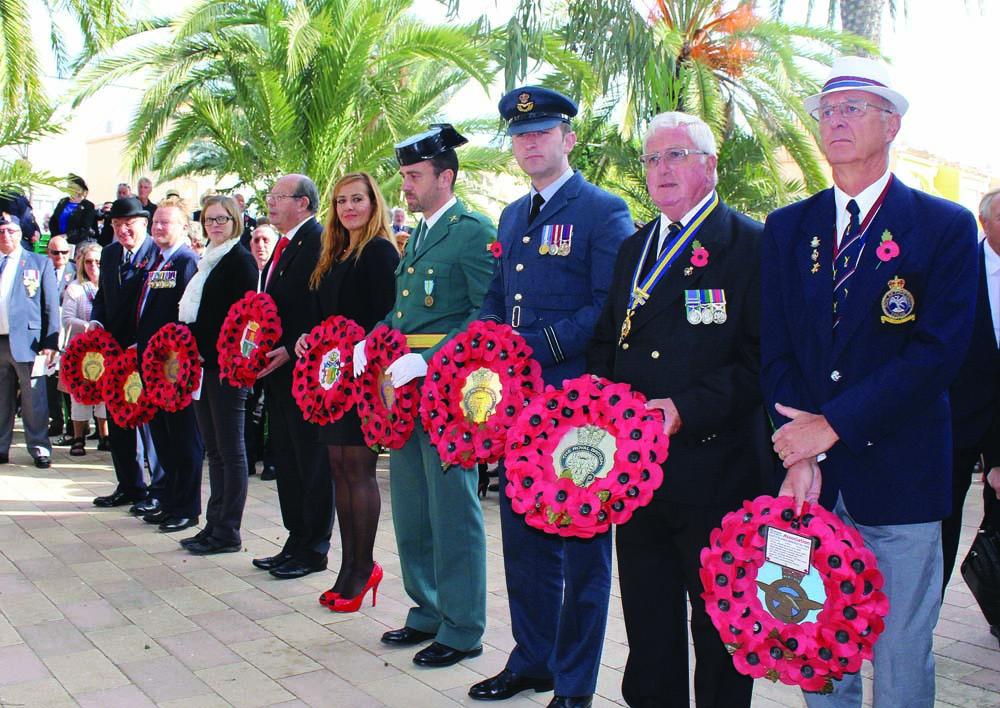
388 414
124 394
85 362
804 629
322 382
249 332
584 457
171 367
476 386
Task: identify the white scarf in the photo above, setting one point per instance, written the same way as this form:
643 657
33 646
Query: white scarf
191 299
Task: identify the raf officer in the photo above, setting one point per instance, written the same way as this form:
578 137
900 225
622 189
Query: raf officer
558 248
440 284
869 292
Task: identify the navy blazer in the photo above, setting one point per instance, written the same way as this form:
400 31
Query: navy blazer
33 313
974 393
232 278
711 372
162 303
882 385
554 300
289 286
114 303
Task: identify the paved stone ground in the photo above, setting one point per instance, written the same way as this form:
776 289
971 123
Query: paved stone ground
99 609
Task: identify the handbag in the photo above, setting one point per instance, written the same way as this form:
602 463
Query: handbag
981 571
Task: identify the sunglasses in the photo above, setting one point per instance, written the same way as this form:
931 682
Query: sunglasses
58 253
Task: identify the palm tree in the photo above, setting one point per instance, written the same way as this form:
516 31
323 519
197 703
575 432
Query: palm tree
258 88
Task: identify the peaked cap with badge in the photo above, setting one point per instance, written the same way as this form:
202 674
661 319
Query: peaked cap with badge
534 108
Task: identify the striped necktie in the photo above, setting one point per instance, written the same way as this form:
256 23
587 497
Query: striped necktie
846 260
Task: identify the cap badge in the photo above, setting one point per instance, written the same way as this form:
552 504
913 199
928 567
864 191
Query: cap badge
524 102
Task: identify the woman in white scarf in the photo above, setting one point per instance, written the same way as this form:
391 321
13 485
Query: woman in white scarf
225 273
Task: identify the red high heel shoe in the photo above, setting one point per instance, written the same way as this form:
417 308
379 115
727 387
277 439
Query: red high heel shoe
341 604
327 597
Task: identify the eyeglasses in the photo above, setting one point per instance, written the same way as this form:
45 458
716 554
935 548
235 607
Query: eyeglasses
218 220
850 110
58 253
274 196
670 156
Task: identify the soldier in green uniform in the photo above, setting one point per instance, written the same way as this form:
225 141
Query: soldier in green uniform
440 285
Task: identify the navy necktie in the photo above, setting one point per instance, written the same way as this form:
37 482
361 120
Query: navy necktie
3 263
846 260
536 207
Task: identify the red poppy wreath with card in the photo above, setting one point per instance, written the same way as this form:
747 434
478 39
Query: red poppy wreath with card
171 367
124 394
796 599
476 386
249 333
388 414
584 457
322 382
85 362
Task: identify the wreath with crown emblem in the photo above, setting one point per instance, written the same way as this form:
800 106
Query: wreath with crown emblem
388 414
476 386
124 394
804 629
171 367
322 383
85 362
249 333
585 456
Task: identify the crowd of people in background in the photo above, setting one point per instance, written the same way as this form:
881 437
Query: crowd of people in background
855 380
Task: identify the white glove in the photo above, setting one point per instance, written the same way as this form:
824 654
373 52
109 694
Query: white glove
360 358
406 368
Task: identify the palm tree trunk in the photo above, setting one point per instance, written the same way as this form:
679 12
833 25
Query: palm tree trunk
863 17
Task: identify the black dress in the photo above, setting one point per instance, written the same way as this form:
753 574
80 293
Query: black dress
364 290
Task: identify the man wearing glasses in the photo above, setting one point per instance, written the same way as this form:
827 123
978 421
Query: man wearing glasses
65 273
305 487
29 327
681 325
869 294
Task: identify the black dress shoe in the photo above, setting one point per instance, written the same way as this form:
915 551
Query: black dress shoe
43 462
176 523
268 473
293 568
210 546
147 506
118 498
54 429
406 636
507 684
271 562
571 702
200 536
438 654
157 517
4 458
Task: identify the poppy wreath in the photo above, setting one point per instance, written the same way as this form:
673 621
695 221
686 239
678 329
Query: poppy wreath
85 362
584 457
388 414
171 367
249 332
322 382
124 394
476 386
774 629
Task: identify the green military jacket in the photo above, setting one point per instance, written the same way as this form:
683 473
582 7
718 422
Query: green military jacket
440 289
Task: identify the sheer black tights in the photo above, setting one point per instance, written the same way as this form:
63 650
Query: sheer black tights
358 507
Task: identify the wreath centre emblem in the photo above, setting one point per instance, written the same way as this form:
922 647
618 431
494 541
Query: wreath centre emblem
480 395
92 366
330 369
585 454
133 388
171 367
386 391
249 340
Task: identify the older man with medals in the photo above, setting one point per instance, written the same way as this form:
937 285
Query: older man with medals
440 283
856 367
681 326
557 247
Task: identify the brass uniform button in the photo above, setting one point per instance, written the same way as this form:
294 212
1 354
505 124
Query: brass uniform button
406 293
518 297
655 355
410 270
526 239
519 267
399 315
625 345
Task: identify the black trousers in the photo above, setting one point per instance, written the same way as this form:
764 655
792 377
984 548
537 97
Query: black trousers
125 457
178 445
305 485
963 462
659 552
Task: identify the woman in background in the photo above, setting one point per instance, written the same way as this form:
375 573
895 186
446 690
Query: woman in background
354 278
74 216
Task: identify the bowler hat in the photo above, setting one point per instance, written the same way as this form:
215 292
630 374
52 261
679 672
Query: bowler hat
126 208
859 74
535 108
424 146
